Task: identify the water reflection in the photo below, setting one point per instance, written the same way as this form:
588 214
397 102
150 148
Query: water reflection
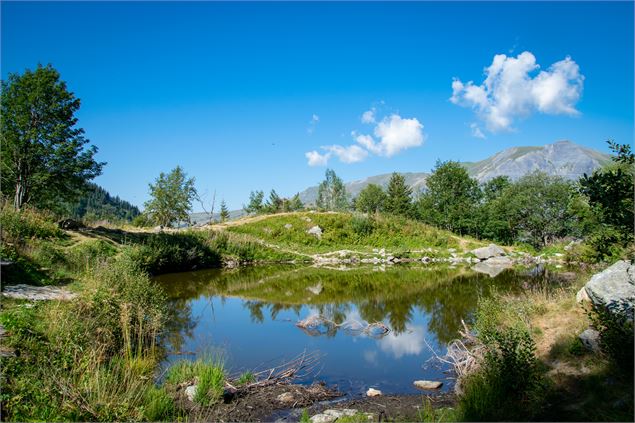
253 313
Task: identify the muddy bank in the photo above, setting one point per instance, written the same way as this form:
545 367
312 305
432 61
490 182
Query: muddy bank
385 408
259 404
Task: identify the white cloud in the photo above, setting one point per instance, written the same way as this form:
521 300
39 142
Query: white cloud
317 159
510 91
409 342
396 134
350 154
369 116
476 131
313 123
392 135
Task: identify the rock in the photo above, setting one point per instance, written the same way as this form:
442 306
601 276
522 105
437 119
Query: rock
286 398
488 269
427 384
590 338
288 226
372 392
157 229
337 413
491 250
425 259
451 250
322 418
37 293
499 261
582 296
70 225
190 392
307 219
614 288
316 231
316 289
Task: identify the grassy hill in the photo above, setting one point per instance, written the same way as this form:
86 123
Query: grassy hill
346 231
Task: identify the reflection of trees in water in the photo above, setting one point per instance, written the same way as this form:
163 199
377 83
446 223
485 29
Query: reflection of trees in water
179 324
444 294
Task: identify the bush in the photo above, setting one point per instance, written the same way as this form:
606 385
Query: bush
362 225
87 255
18 226
616 336
509 384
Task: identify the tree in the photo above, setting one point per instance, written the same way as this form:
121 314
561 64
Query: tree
255 202
295 204
399 196
224 211
331 193
451 198
610 190
537 208
45 157
371 199
274 203
172 196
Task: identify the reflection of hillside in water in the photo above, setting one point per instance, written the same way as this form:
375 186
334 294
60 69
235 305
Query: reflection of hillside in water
445 295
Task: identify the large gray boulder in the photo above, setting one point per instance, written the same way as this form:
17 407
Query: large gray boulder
614 288
315 231
491 250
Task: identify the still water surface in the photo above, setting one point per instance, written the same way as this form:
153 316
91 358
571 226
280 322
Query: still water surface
250 315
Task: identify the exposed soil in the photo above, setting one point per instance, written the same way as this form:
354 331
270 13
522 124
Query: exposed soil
259 404
390 408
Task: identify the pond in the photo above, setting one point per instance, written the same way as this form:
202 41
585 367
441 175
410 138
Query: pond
250 316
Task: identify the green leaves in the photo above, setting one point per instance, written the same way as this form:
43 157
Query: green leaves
172 196
45 157
332 193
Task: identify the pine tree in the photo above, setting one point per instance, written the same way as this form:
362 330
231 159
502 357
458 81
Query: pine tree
224 211
399 196
255 202
274 203
295 204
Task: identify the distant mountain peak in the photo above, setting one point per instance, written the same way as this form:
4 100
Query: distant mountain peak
562 158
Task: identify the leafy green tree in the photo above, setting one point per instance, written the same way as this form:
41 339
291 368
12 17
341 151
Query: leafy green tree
274 203
172 196
399 196
295 204
610 190
493 188
331 193
45 157
224 211
255 202
537 208
371 199
451 198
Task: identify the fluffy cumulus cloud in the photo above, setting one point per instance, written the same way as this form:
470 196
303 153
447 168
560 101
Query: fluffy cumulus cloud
350 154
391 135
512 89
476 131
317 159
369 116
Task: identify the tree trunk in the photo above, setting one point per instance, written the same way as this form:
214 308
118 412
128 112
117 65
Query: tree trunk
20 193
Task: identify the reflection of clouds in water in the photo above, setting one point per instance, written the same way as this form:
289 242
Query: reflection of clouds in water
371 357
409 342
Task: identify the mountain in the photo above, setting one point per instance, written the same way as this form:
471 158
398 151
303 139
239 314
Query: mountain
562 158
97 204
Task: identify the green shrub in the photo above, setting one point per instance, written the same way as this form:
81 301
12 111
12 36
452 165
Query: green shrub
18 226
362 225
616 336
510 384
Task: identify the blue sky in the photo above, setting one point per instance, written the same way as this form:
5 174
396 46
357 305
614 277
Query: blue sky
239 93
